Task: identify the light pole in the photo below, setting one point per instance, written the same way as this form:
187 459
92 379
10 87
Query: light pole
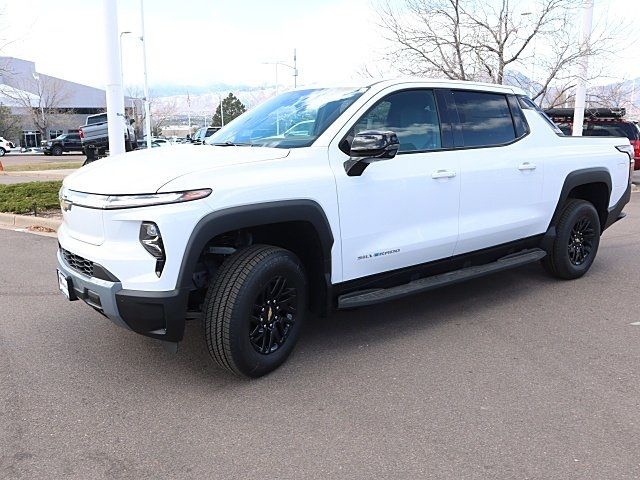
221 110
147 110
581 89
293 67
121 68
114 94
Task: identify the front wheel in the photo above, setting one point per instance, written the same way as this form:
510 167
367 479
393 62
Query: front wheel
254 310
56 150
2 152
577 239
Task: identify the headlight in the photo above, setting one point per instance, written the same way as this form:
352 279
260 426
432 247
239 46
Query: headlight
113 202
151 240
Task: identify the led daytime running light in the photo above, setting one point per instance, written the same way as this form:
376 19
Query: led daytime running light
114 202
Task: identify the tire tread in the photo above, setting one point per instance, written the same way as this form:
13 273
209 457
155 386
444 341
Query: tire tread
222 297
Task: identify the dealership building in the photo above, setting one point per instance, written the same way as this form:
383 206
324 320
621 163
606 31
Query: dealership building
66 104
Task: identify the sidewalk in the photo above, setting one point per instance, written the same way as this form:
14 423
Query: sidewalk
39 225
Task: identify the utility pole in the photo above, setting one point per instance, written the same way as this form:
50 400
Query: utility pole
115 95
581 89
147 110
295 69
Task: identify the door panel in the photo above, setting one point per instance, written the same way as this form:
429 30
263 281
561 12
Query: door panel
403 211
501 185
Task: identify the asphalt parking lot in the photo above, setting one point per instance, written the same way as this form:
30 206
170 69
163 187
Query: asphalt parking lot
513 376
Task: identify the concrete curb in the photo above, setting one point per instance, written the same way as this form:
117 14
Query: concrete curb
24 221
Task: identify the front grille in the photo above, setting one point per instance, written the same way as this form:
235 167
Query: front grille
77 263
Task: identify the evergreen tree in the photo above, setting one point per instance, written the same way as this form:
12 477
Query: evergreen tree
232 107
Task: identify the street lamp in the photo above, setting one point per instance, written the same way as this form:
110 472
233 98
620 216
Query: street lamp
121 69
293 67
147 112
221 110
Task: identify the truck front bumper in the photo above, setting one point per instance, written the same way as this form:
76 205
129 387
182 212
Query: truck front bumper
159 315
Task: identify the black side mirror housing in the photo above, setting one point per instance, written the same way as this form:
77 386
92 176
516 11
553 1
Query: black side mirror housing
132 121
368 147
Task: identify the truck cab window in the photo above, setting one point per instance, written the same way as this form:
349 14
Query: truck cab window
411 114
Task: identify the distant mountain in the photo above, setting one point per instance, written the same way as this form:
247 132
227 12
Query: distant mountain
167 90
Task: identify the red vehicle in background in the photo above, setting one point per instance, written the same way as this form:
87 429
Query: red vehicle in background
600 122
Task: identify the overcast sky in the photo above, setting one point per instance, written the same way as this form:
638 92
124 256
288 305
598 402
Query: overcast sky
200 42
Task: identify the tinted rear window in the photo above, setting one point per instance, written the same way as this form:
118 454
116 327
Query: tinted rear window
485 118
97 119
611 129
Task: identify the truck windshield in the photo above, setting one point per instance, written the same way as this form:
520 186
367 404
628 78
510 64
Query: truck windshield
290 120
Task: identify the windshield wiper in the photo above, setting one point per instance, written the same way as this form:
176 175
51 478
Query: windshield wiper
231 144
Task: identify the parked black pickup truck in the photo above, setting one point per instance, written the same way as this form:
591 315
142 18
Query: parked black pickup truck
67 142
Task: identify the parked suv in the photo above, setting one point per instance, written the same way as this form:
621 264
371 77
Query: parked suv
600 122
203 133
398 187
5 146
67 142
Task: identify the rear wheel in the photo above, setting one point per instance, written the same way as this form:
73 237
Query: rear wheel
577 239
2 152
254 310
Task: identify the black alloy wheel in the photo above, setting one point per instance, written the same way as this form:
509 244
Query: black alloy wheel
254 309
581 241
273 317
576 240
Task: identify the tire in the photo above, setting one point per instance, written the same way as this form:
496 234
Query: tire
577 239
127 146
241 303
2 152
56 150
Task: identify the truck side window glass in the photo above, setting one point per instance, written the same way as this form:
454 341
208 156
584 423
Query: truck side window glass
411 114
485 118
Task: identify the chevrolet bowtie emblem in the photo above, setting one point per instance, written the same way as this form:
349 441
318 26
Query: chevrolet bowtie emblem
65 205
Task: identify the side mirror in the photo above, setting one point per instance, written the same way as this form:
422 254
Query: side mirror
368 147
132 121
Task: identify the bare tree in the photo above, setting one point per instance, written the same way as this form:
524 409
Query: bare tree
162 110
40 97
494 41
10 124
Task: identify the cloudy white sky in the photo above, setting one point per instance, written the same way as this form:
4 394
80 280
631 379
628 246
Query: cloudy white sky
200 42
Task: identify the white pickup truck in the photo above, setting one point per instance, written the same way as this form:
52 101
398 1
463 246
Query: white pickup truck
394 188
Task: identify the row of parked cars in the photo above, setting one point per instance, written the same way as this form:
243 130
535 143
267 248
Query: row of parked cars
93 138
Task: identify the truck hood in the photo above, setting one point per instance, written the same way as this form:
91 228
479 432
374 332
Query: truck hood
146 171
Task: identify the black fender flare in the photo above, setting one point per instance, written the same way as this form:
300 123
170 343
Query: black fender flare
247 216
575 179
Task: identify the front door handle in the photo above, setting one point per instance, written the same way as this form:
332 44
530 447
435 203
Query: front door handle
527 166
443 174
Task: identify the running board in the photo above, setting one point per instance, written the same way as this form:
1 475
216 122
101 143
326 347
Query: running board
364 298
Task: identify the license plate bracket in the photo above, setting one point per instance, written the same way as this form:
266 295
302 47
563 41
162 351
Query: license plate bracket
65 285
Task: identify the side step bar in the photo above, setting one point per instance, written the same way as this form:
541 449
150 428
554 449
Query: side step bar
371 297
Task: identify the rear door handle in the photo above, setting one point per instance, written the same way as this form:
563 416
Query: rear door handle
527 166
443 174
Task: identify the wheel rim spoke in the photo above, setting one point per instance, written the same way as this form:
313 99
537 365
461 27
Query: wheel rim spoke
581 241
273 315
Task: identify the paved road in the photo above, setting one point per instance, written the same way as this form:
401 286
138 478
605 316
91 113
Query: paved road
512 376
